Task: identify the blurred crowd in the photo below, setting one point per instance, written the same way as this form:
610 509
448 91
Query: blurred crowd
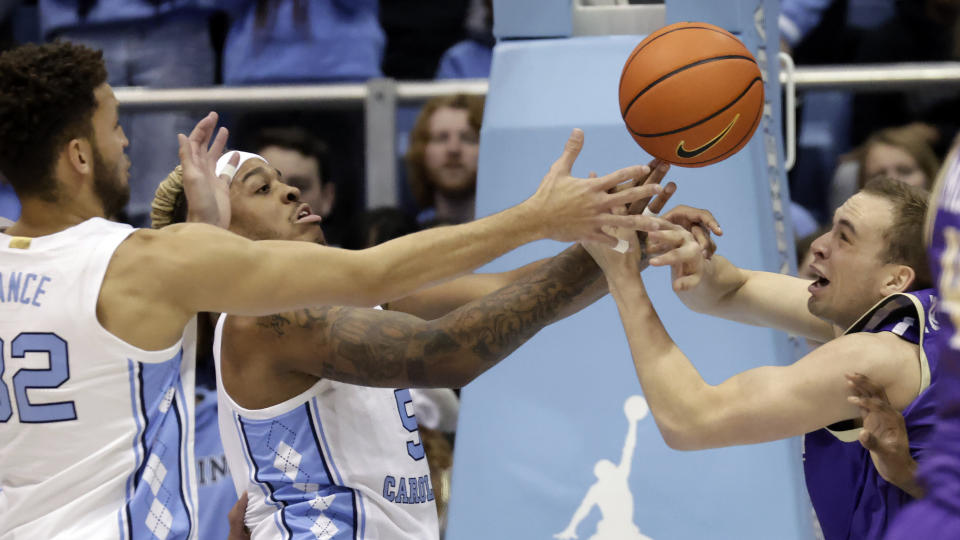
844 139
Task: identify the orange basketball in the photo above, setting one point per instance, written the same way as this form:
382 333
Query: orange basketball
691 94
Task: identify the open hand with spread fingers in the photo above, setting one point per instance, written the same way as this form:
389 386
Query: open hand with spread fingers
567 208
209 195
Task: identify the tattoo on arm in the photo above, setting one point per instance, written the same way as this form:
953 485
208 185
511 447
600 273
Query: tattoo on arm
276 323
383 348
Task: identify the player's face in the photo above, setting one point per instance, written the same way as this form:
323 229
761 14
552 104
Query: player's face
451 153
303 173
111 167
847 261
893 162
262 207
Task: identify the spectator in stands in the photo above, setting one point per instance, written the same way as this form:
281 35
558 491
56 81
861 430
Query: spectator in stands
442 158
418 33
302 42
285 41
926 31
824 32
144 43
304 161
903 153
471 58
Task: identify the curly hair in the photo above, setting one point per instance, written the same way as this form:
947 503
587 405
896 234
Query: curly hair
420 184
46 99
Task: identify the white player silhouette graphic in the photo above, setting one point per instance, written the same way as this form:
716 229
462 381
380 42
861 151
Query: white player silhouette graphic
611 491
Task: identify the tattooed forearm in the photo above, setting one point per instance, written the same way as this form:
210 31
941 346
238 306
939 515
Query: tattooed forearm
384 348
500 322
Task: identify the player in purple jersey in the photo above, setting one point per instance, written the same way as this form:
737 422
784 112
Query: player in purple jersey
937 516
871 273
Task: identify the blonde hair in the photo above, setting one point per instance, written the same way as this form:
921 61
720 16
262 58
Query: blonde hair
169 204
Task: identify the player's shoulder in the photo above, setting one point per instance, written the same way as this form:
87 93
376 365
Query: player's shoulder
175 233
883 356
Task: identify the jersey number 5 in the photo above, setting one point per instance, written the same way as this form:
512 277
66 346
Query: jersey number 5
26 379
415 449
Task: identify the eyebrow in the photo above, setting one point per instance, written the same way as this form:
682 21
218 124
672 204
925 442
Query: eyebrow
260 169
845 222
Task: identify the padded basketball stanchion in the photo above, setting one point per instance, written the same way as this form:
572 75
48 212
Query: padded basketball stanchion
548 426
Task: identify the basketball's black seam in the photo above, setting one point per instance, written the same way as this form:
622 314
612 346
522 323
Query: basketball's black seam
683 68
698 122
634 53
747 134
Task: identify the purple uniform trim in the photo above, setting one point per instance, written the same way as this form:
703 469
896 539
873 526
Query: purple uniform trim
850 497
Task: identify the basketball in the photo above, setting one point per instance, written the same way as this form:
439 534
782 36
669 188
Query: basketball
691 94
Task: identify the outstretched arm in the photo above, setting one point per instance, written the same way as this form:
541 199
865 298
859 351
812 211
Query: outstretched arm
187 268
758 405
439 300
716 286
390 349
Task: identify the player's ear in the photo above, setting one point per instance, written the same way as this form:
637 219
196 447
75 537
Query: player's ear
898 278
79 155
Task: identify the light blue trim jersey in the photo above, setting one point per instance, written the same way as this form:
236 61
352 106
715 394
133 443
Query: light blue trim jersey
96 435
336 462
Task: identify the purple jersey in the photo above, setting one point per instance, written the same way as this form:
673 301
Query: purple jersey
850 497
938 514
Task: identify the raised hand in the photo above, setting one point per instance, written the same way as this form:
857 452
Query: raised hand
570 209
884 434
208 197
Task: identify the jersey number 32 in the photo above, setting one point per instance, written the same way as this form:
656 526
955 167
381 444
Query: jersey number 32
57 373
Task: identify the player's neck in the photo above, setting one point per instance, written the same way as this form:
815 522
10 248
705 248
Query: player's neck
41 218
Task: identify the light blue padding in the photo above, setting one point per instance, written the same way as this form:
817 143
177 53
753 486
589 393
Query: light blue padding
532 429
532 18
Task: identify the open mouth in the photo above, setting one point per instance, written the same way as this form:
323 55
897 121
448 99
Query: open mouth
820 282
305 215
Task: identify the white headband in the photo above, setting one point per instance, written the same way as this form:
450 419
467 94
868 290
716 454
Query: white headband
223 167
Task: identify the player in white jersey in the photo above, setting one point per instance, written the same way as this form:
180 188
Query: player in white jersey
321 456
95 422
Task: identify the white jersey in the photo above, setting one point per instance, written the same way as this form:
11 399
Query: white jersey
336 462
95 434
